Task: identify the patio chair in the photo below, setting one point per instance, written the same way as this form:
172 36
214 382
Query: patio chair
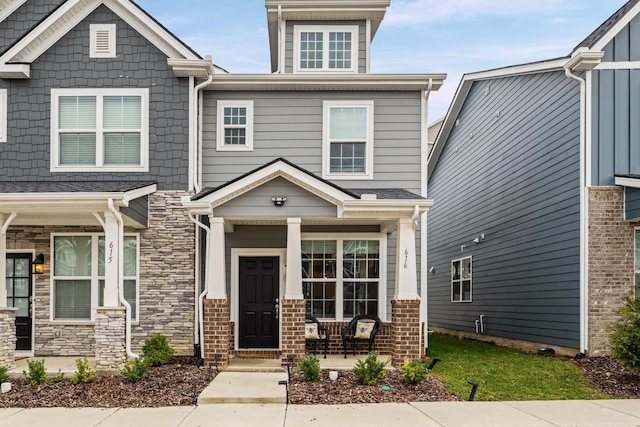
314 333
362 329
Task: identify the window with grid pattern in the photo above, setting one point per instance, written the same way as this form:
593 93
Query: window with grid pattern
235 126
326 48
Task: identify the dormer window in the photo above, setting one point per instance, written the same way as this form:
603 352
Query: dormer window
102 41
326 49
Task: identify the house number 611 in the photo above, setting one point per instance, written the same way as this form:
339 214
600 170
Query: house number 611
110 253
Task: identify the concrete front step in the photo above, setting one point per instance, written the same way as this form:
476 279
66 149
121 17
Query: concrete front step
245 387
255 365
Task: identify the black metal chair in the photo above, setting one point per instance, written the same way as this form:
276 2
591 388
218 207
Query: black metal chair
323 336
352 337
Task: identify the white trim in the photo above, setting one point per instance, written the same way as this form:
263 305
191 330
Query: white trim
33 301
3 115
589 127
325 30
470 258
368 45
613 31
143 93
326 142
236 253
104 29
620 65
627 182
220 126
383 282
7 7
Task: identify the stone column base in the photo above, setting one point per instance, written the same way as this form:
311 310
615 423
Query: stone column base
216 331
111 354
7 336
292 312
405 325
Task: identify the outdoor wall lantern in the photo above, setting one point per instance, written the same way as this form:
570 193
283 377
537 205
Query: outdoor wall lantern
37 266
278 200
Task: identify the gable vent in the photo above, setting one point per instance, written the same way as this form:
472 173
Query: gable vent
103 41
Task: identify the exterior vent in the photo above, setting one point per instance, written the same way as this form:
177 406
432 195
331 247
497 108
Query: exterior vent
103 41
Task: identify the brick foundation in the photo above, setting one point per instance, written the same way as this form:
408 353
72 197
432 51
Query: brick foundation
110 349
405 325
293 315
611 263
217 330
7 336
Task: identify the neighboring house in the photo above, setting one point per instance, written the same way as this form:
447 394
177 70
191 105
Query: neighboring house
315 182
97 147
535 178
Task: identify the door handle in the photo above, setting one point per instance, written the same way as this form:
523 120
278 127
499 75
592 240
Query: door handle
277 308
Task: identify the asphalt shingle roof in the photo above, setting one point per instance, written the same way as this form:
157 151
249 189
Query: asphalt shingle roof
70 187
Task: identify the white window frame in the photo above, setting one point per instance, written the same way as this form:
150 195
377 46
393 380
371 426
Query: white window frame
220 145
326 142
382 285
93 39
143 93
470 258
3 115
95 278
326 29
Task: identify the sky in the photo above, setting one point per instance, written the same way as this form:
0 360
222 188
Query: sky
417 36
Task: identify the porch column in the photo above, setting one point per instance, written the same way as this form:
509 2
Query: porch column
7 314
4 223
216 309
293 304
111 260
406 275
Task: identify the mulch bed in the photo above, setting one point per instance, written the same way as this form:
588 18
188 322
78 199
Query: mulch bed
608 376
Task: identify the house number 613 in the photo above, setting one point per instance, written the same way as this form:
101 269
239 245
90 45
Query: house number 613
110 253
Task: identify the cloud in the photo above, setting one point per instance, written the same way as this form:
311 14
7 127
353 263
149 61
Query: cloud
430 11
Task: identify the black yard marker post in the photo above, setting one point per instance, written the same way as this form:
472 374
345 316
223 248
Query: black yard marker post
474 388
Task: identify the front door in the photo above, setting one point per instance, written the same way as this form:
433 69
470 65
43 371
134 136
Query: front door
19 282
259 282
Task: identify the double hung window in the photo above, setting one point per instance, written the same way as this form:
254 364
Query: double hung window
99 129
235 126
461 280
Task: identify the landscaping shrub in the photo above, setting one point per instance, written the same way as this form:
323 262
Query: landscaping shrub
310 367
156 350
4 376
625 334
414 371
371 370
37 372
84 374
136 369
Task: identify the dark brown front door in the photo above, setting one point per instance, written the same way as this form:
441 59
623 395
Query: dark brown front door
258 301
19 283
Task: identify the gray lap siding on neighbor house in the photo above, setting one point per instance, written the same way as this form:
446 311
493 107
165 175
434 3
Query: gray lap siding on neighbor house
26 155
515 177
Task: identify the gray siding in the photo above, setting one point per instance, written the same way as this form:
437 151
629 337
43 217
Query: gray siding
289 124
615 109
23 19
631 203
138 210
26 155
515 178
362 41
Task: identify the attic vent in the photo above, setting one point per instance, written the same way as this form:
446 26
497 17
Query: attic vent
103 41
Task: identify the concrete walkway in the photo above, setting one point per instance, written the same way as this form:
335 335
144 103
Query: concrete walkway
458 414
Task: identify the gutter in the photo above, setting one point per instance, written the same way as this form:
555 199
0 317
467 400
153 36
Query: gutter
196 145
199 318
424 151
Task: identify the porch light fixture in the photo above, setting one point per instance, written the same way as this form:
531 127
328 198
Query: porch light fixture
37 266
278 200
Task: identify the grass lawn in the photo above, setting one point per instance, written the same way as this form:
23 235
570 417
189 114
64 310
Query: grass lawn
505 374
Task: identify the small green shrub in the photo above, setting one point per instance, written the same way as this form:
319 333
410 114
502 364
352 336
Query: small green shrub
37 372
84 374
414 371
157 351
625 334
136 369
4 375
57 378
310 367
371 370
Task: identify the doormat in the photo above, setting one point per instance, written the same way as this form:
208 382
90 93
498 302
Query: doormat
257 355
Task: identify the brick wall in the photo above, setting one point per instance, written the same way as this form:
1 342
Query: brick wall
293 314
611 263
110 349
405 315
216 330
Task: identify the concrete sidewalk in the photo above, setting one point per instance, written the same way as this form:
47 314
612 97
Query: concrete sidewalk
458 414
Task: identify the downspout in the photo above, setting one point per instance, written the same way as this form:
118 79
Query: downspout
199 322
196 127
424 155
123 301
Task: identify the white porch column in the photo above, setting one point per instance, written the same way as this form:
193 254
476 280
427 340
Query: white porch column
216 279
111 259
3 263
293 285
406 274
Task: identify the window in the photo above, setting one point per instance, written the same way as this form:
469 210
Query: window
3 115
461 280
99 129
78 275
333 49
342 278
235 126
348 140
102 41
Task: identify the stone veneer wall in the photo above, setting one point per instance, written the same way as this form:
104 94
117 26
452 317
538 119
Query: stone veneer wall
111 354
293 315
166 285
7 336
611 263
217 334
405 320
